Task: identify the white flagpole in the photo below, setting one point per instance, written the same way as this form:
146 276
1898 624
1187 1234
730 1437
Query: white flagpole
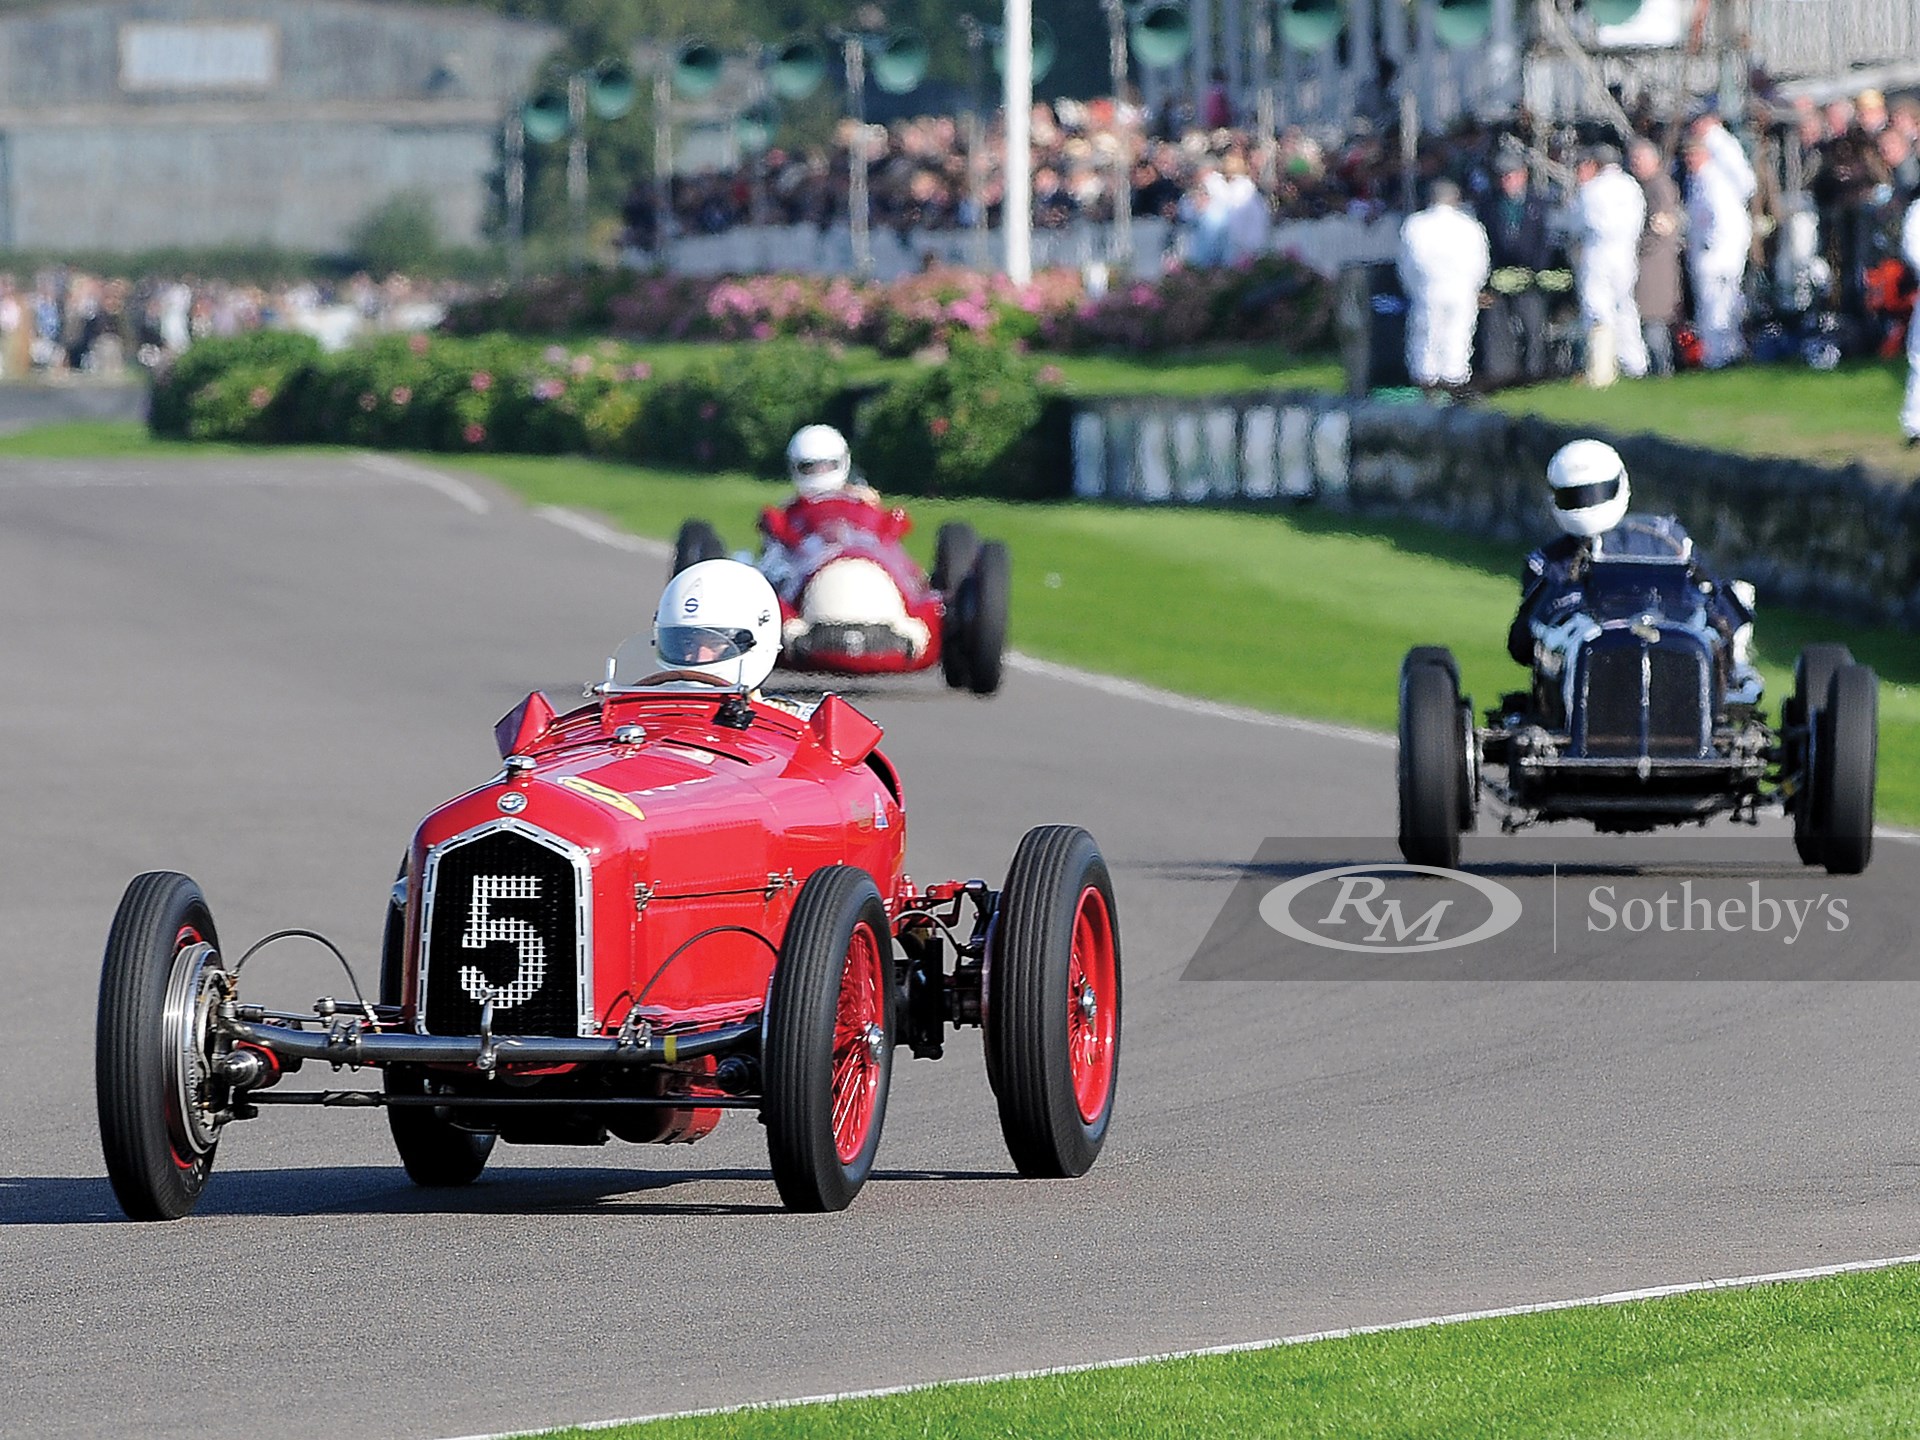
1017 100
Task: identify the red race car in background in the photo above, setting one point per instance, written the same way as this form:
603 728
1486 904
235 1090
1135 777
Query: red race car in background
676 900
853 602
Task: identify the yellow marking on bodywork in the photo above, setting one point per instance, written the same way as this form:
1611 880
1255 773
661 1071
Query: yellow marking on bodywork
670 1045
604 794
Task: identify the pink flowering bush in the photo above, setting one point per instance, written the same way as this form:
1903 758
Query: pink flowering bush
1275 298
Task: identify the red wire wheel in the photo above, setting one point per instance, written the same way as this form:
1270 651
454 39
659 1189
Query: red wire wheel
827 1042
1052 1003
161 1106
1093 1010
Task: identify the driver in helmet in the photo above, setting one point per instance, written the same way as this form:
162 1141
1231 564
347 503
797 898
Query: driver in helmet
1591 492
718 623
826 495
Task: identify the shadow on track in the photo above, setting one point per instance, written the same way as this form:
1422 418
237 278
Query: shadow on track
385 1190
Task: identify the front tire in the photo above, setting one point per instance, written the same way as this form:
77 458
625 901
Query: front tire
696 541
161 1109
437 1154
1430 766
985 597
828 1045
1053 1004
1813 674
1849 730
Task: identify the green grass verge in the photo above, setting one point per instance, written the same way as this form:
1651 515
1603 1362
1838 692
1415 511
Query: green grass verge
1826 1358
1834 419
1301 612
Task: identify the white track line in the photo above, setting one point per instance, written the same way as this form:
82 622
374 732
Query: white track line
1169 700
458 491
1586 1302
602 533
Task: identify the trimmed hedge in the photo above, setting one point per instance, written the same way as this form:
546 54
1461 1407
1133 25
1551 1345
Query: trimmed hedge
982 423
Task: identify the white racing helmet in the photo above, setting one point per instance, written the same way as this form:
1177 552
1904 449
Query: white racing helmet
1590 489
719 618
819 461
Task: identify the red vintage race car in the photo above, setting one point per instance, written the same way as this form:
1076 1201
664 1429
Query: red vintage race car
676 900
853 601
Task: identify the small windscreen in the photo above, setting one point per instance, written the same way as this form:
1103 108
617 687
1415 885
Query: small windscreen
702 644
1585 497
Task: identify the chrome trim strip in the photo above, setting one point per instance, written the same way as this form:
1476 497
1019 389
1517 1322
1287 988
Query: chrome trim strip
586 1021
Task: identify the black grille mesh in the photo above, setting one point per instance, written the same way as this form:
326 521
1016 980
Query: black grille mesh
514 900
1613 700
1675 722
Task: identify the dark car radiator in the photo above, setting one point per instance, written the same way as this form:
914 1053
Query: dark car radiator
1643 698
504 920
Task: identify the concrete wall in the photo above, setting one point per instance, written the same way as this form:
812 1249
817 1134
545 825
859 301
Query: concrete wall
1846 541
147 123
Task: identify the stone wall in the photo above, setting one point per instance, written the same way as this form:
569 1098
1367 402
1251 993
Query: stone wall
1845 541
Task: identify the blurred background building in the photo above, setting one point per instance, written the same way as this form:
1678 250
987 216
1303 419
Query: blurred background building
198 123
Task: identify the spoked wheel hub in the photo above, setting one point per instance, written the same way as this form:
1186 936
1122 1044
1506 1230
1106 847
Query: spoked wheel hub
1091 1013
191 1047
859 1047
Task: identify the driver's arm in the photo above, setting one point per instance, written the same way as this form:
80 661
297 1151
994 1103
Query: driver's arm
1534 585
777 527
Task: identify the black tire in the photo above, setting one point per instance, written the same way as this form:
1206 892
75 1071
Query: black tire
1469 756
1430 764
1813 674
696 541
1030 1005
954 547
985 597
801 1047
437 1154
1849 743
158 1130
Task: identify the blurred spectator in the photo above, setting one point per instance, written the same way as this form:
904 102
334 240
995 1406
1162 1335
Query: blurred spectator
1656 291
1443 265
1611 211
1513 330
1910 251
1719 234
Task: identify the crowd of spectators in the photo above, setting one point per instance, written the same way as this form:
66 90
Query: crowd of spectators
63 321
919 176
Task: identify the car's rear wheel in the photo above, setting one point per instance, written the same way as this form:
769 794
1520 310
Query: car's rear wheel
828 1044
696 541
437 1154
983 602
1052 1009
953 550
1848 750
1430 765
161 1104
1813 676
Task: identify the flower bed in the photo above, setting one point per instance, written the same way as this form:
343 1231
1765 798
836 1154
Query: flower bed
976 425
1273 299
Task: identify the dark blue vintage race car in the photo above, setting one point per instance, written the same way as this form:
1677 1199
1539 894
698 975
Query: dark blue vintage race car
1639 717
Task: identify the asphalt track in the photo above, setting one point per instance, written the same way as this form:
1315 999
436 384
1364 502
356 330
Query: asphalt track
262 672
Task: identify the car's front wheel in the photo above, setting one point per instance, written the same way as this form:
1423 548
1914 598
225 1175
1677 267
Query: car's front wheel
1848 757
1430 765
1052 1004
161 1102
1813 676
827 1050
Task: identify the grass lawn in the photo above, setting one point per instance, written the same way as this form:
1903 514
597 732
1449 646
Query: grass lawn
1322 606
1827 1358
1835 419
